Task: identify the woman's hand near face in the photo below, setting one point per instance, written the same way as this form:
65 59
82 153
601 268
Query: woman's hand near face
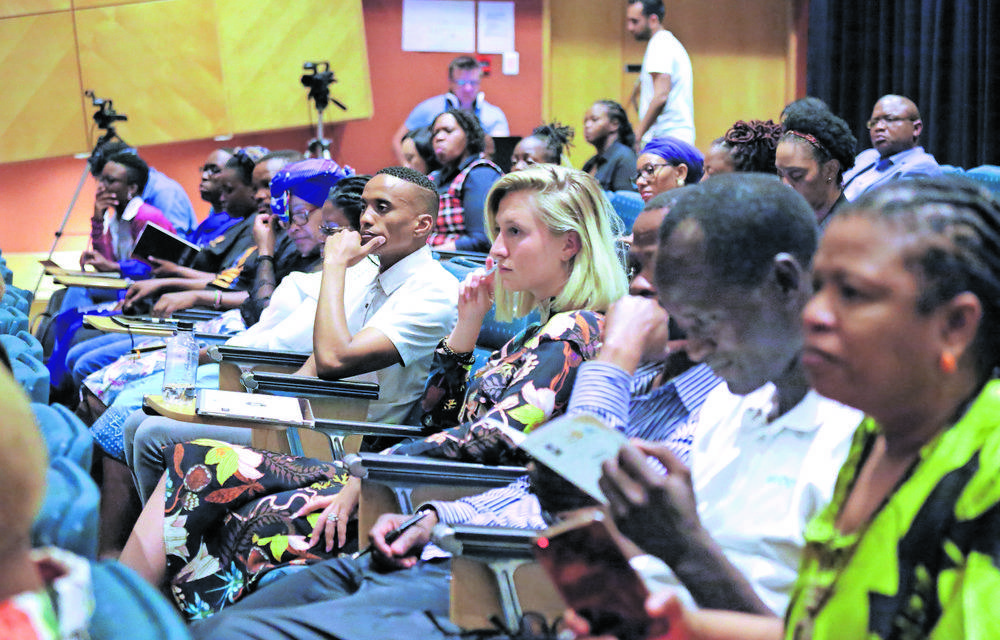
475 298
265 233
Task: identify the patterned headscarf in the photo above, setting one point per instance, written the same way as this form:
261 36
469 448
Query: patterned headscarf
677 152
309 179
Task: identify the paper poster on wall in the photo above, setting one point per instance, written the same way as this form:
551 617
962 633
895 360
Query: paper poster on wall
496 27
439 25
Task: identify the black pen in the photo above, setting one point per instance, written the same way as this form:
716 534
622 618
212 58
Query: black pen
393 535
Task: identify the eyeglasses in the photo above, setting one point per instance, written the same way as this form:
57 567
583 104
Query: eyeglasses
466 83
888 120
649 171
211 169
298 218
329 228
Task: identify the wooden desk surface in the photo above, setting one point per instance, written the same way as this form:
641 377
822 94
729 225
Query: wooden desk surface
107 325
92 282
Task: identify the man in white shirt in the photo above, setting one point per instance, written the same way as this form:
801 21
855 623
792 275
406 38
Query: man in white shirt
664 94
733 272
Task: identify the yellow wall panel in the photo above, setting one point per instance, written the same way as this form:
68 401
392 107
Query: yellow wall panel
159 61
11 8
265 42
95 4
40 112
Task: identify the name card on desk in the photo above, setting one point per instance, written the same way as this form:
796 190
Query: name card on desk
254 407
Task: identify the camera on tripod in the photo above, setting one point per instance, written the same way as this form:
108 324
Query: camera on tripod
105 114
318 82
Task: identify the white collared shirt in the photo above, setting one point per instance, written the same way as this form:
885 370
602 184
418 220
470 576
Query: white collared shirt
120 228
414 303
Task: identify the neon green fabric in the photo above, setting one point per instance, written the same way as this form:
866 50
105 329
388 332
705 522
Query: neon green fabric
927 564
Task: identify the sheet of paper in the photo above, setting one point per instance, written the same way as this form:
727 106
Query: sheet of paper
439 25
574 447
496 27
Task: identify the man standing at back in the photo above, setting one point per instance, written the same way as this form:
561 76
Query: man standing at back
664 95
895 128
464 78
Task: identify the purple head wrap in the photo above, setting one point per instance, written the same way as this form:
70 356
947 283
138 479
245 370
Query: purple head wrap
677 151
309 179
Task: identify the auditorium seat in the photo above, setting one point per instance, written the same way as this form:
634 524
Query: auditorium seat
65 434
69 515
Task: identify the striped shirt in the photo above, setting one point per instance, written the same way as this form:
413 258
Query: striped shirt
624 402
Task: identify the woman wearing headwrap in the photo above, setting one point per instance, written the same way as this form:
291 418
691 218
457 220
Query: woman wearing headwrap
664 164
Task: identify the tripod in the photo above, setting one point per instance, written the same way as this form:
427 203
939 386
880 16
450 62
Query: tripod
318 82
104 118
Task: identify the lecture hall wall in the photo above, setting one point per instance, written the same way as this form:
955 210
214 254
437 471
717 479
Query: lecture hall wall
34 194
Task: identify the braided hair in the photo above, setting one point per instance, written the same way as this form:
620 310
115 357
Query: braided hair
954 224
557 138
752 145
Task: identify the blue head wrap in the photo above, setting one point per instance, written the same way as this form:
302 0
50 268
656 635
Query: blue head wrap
675 152
309 179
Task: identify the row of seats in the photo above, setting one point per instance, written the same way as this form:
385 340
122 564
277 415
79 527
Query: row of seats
125 606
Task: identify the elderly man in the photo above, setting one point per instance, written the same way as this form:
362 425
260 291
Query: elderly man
464 77
664 94
895 128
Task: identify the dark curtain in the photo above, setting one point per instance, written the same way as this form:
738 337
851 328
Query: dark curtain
942 54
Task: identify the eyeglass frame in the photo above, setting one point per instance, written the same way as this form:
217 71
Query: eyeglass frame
648 173
888 120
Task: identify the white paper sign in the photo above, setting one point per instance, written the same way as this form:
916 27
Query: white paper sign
496 27
439 25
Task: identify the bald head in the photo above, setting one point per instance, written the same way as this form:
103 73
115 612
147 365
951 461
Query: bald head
895 125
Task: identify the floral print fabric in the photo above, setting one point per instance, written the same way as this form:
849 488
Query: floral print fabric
227 519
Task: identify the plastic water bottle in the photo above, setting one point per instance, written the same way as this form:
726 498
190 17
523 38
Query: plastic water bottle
181 367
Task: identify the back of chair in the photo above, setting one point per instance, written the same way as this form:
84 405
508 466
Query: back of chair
129 608
69 514
65 434
628 205
987 175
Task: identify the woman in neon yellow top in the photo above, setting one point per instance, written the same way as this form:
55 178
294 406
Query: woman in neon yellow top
904 324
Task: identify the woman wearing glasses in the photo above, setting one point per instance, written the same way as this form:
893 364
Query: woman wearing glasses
664 164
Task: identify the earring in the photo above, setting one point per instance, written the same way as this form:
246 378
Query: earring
948 363
680 182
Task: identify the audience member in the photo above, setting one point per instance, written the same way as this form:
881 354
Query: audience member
462 182
664 93
545 145
813 152
901 325
161 191
217 220
119 216
606 126
894 127
464 77
747 146
664 164
418 151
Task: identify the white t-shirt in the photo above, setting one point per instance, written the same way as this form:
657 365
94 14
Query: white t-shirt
665 54
758 482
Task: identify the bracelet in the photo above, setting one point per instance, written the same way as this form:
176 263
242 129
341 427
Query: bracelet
218 300
271 258
465 358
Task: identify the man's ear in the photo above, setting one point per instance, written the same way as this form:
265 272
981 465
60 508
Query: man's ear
789 276
423 224
571 245
918 127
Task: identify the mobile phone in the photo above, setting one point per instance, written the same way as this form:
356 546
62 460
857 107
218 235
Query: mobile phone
591 571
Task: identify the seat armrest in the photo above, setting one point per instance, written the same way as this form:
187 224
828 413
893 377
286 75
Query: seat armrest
417 470
350 427
485 542
251 357
195 314
289 384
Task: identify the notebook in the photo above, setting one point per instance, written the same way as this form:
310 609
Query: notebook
157 242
